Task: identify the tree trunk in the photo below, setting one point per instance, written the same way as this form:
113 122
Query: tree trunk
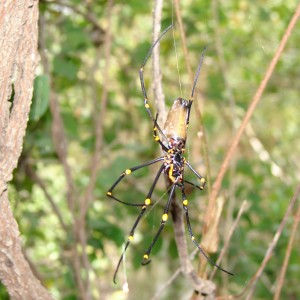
18 61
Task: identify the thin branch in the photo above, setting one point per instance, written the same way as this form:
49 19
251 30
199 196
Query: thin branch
99 117
253 282
217 184
273 244
230 234
196 107
176 210
230 98
34 176
87 197
287 255
179 270
89 16
60 144
156 70
199 115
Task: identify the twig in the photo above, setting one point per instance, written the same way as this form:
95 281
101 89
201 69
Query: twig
223 70
99 117
87 197
176 210
192 255
156 71
226 244
253 282
273 244
86 15
60 145
158 293
217 184
287 255
34 176
197 107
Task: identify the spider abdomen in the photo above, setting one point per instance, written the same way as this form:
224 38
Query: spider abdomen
176 123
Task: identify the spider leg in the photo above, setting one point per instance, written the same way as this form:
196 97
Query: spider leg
141 72
194 87
194 185
156 136
202 179
185 207
164 219
147 202
197 75
128 172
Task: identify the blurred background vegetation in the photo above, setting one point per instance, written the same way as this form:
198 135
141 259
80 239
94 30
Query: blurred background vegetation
241 39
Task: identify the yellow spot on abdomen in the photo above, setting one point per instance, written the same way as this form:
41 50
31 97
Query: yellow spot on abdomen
164 217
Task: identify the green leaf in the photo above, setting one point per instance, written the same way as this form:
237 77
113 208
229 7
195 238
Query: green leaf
40 101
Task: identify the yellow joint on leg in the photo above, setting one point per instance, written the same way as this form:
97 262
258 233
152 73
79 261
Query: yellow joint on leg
164 217
147 105
193 238
147 201
146 256
156 138
108 193
202 180
128 171
185 202
130 238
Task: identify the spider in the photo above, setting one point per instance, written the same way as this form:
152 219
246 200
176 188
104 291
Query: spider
172 139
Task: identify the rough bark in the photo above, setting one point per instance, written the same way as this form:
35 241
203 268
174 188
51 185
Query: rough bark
18 60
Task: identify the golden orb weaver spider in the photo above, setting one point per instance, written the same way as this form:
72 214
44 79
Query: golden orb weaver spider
172 139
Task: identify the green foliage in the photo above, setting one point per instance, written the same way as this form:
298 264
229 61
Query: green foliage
264 172
41 94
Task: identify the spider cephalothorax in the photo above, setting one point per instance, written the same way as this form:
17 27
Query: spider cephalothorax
174 166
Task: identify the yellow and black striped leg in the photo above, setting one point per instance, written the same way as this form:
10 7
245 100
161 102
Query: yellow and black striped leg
197 75
141 72
194 87
202 179
146 203
199 187
164 219
156 136
146 104
186 210
128 172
